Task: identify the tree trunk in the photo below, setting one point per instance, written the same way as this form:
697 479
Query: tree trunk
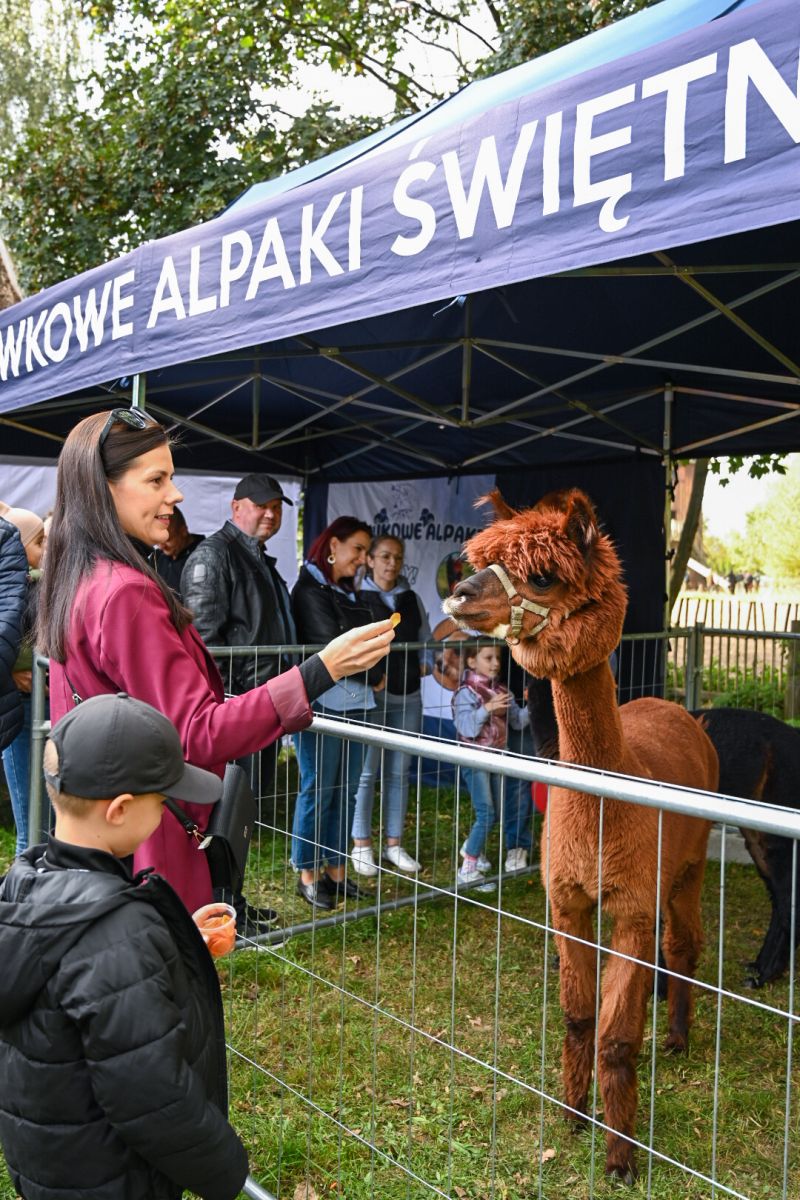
684 548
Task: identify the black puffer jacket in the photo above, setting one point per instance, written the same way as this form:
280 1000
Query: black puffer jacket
13 596
321 613
238 598
112 1049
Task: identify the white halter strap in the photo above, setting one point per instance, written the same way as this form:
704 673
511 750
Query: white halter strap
519 606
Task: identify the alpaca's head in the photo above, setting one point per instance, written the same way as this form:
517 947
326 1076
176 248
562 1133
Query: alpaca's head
555 556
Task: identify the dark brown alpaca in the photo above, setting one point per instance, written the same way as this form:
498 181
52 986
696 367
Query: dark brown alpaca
555 558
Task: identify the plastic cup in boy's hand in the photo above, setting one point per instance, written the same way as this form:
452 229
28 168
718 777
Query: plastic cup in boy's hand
217 924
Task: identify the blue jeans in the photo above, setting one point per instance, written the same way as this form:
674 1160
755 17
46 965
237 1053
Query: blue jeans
330 769
393 712
490 799
17 767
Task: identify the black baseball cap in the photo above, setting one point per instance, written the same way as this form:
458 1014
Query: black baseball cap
110 745
260 489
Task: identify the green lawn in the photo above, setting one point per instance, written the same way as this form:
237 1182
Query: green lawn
384 1055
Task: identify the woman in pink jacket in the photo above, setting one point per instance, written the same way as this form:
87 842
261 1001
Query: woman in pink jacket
109 624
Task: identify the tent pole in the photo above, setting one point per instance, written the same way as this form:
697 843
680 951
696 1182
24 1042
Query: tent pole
138 393
669 400
466 361
256 405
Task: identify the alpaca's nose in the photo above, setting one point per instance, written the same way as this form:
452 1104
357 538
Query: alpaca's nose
466 589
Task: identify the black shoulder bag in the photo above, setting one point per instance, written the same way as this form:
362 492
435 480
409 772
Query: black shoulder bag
227 838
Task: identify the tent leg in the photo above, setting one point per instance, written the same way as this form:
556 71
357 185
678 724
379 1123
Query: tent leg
256 406
669 400
139 390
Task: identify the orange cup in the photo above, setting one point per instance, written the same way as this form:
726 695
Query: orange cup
217 924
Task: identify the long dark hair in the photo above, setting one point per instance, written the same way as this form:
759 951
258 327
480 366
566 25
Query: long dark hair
86 527
341 529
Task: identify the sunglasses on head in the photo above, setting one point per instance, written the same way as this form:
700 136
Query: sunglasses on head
136 418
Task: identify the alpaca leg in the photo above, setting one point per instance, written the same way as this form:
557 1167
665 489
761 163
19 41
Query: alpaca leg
578 978
773 957
683 942
626 988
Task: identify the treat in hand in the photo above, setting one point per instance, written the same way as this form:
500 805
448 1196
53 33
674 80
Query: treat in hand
217 924
395 619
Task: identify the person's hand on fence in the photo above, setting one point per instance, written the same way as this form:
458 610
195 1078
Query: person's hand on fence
358 649
498 703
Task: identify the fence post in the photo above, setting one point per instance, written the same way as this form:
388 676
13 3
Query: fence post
694 666
793 673
38 804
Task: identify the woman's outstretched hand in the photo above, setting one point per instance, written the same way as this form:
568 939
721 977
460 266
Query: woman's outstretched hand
358 649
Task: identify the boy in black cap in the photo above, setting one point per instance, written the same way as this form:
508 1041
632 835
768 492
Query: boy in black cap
112 1046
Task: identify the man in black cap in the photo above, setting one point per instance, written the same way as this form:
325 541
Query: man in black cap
238 598
233 587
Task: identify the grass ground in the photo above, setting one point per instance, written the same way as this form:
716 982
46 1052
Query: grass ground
419 1051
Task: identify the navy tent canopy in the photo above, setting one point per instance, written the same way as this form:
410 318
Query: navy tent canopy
532 274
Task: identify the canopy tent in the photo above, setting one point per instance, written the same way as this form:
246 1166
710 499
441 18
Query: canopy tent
532 274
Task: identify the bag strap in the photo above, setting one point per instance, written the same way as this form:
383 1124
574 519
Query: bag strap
76 698
191 827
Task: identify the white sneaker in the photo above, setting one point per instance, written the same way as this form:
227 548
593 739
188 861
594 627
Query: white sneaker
363 860
483 863
517 859
469 877
398 857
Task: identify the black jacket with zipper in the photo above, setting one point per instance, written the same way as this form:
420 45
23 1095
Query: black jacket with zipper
112 1045
13 595
238 598
322 612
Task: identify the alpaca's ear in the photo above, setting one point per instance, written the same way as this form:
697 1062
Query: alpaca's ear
581 523
495 498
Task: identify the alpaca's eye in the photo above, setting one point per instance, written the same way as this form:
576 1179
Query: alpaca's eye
540 581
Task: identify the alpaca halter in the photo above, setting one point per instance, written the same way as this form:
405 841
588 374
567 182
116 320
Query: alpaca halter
519 606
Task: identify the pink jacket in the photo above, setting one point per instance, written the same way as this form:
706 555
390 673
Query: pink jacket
123 640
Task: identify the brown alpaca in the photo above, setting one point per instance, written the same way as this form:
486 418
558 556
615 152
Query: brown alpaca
555 559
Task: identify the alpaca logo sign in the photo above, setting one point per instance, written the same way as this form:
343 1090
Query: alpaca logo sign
419 524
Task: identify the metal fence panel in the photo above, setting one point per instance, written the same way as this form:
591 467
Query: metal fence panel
409 1042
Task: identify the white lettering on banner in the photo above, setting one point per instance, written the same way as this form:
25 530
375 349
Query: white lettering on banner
459 176
91 316
32 332
119 304
167 296
59 312
486 174
311 239
749 64
11 349
675 83
271 242
228 272
406 245
551 164
198 304
588 146
354 230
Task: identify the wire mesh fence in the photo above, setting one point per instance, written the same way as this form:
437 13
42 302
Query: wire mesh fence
407 1041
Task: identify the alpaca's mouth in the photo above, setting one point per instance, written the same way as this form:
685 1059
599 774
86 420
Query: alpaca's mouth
455 607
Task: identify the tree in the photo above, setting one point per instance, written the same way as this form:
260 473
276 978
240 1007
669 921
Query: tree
180 113
770 543
39 62
691 522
